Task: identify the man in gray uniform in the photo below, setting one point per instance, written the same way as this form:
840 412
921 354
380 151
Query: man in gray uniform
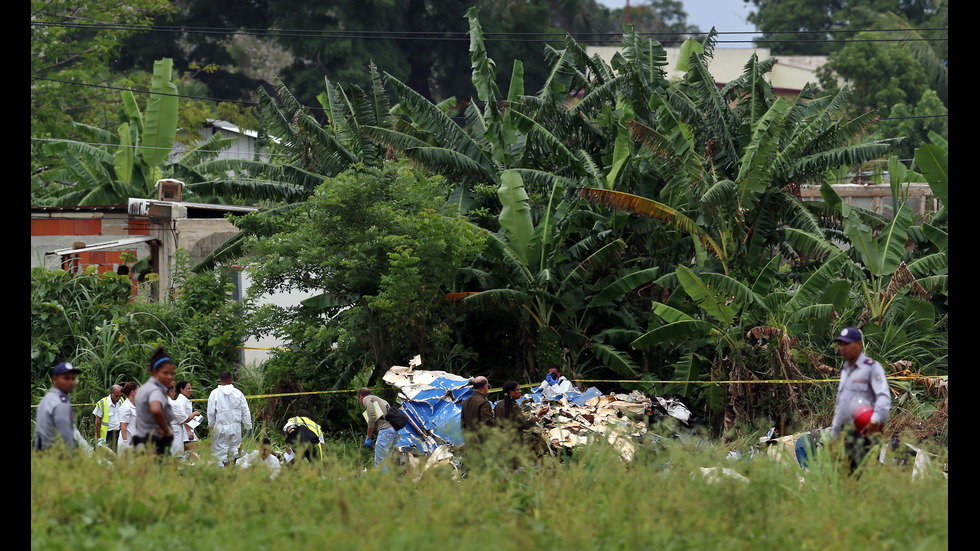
862 383
55 417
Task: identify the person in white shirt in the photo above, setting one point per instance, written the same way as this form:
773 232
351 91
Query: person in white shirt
186 413
106 414
127 416
262 456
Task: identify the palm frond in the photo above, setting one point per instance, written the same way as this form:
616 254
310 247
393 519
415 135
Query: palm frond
599 96
379 100
718 117
624 285
326 155
812 167
618 200
756 165
452 164
750 83
731 289
95 133
678 331
929 264
545 141
250 190
809 245
601 258
704 296
618 361
445 131
207 150
494 299
811 289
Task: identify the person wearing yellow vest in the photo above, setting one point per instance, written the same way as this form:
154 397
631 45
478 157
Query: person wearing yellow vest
303 420
106 414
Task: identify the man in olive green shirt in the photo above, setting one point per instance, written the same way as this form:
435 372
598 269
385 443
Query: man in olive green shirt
477 412
375 410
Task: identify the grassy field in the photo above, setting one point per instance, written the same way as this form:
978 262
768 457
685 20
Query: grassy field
590 501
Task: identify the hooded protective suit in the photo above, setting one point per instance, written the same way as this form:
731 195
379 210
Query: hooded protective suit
227 413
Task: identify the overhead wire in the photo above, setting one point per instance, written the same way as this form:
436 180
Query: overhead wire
424 35
490 36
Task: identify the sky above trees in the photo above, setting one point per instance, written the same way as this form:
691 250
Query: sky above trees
724 15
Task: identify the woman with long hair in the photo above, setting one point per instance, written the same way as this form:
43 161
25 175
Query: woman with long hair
176 425
127 415
185 411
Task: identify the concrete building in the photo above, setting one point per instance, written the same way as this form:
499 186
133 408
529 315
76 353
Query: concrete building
76 237
789 75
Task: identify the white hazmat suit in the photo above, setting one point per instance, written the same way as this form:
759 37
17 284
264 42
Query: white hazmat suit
227 413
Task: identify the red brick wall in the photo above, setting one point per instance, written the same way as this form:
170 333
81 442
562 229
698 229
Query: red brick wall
104 261
66 226
139 226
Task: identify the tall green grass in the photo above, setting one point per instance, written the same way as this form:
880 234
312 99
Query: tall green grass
591 500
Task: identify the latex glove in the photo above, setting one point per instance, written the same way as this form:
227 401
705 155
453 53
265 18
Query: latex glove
367 443
550 379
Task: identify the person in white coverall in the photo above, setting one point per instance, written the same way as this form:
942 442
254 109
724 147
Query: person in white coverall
555 384
227 413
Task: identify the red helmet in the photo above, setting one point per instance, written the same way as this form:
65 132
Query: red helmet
862 416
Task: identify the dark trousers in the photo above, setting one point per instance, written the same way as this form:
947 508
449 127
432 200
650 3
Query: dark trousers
159 445
112 439
857 446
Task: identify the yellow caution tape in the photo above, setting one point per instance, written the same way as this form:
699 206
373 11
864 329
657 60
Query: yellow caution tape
253 396
631 381
645 381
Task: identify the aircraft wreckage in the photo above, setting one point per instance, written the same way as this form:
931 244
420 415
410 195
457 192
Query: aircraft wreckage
433 400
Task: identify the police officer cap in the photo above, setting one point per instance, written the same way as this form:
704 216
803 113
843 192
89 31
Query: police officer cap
65 367
849 334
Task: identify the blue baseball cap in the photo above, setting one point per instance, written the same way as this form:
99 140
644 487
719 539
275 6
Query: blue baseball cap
849 334
65 367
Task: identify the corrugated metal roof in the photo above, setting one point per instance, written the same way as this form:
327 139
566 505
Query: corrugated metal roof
115 244
230 127
141 207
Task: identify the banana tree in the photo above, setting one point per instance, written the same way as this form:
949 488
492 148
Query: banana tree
553 290
310 152
509 133
732 159
130 166
723 319
886 275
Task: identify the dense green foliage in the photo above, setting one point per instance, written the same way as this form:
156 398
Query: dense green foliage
814 21
380 252
906 83
71 314
652 231
91 320
74 41
895 60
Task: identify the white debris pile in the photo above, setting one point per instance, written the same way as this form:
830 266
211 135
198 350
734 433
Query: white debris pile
574 418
